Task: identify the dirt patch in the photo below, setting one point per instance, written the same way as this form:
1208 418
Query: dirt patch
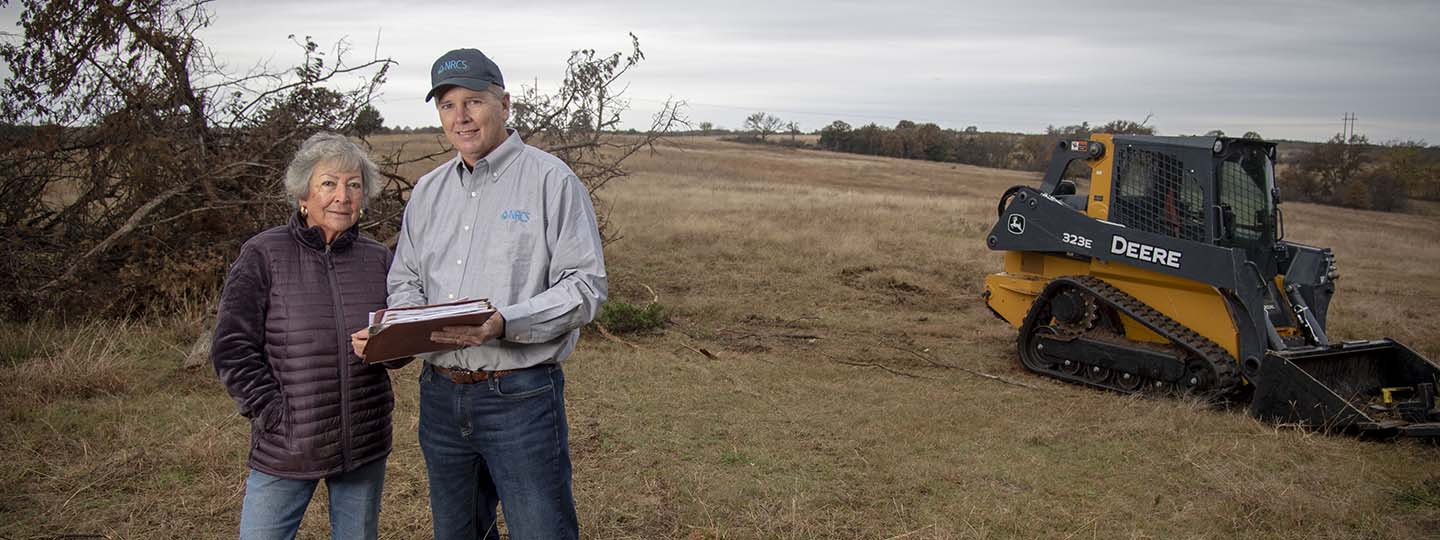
893 284
883 280
761 333
918 289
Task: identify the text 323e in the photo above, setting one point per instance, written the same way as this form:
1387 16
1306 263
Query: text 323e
1077 240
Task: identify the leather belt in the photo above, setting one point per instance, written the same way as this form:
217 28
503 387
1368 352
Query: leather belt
465 376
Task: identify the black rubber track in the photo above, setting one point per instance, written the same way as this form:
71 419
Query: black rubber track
1210 371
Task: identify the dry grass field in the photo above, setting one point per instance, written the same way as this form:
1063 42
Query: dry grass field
823 377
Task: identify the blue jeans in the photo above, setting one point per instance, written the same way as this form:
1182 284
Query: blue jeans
273 505
502 440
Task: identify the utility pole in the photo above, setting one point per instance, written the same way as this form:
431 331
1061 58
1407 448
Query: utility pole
1348 129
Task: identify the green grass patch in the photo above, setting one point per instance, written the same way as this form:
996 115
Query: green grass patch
22 342
624 318
1422 496
734 457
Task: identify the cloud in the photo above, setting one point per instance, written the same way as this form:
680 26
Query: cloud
1283 68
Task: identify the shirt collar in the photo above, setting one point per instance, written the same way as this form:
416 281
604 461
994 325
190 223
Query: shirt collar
498 159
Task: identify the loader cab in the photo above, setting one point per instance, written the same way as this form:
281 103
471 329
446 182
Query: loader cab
1215 190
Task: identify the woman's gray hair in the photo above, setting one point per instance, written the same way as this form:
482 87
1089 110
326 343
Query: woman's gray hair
325 147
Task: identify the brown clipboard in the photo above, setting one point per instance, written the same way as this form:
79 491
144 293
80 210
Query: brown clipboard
401 340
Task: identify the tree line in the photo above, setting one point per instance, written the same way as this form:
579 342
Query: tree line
1343 172
928 141
1353 172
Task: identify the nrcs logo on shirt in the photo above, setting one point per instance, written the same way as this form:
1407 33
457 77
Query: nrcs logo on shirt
515 215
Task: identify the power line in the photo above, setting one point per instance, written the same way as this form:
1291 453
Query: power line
1348 127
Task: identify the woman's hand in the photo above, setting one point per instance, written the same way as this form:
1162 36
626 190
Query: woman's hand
358 341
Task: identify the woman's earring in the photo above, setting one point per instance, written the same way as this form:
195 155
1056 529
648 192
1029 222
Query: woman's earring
362 212
303 213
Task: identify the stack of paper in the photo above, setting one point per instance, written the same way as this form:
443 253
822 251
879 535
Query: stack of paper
387 317
401 332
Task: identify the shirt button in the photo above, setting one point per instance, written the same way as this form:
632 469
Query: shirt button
467 227
473 194
496 175
459 261
452 297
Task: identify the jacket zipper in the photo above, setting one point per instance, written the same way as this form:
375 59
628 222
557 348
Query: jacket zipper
344 358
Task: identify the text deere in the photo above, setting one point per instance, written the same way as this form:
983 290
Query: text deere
1141 252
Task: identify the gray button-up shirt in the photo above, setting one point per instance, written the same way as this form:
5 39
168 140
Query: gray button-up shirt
519 230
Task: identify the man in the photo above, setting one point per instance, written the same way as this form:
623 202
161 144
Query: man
511 223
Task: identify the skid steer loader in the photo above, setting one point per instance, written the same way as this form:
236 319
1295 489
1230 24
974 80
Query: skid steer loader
1169 274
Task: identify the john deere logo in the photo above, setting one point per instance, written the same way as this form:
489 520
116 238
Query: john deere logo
1015 224
451 65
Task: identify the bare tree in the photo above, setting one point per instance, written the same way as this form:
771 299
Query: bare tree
763 124
578 122
134 159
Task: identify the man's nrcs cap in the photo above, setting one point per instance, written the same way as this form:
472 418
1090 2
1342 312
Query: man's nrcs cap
464 67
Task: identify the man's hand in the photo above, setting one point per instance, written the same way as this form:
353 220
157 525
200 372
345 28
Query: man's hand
358 341
469 336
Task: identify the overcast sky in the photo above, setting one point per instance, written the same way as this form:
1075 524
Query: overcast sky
1287 69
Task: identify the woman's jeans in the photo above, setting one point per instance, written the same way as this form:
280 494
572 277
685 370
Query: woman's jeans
502 440
273 505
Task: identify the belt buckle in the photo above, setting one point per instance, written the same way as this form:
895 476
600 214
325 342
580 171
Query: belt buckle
457 375
472 377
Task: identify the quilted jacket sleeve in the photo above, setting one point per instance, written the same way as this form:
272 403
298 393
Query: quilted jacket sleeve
238 349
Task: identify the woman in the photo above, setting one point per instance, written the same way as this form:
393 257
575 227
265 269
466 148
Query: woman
282 348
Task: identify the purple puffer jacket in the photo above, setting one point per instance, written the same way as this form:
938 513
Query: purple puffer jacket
282 349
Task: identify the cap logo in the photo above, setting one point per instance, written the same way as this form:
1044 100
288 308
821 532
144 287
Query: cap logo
452 65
